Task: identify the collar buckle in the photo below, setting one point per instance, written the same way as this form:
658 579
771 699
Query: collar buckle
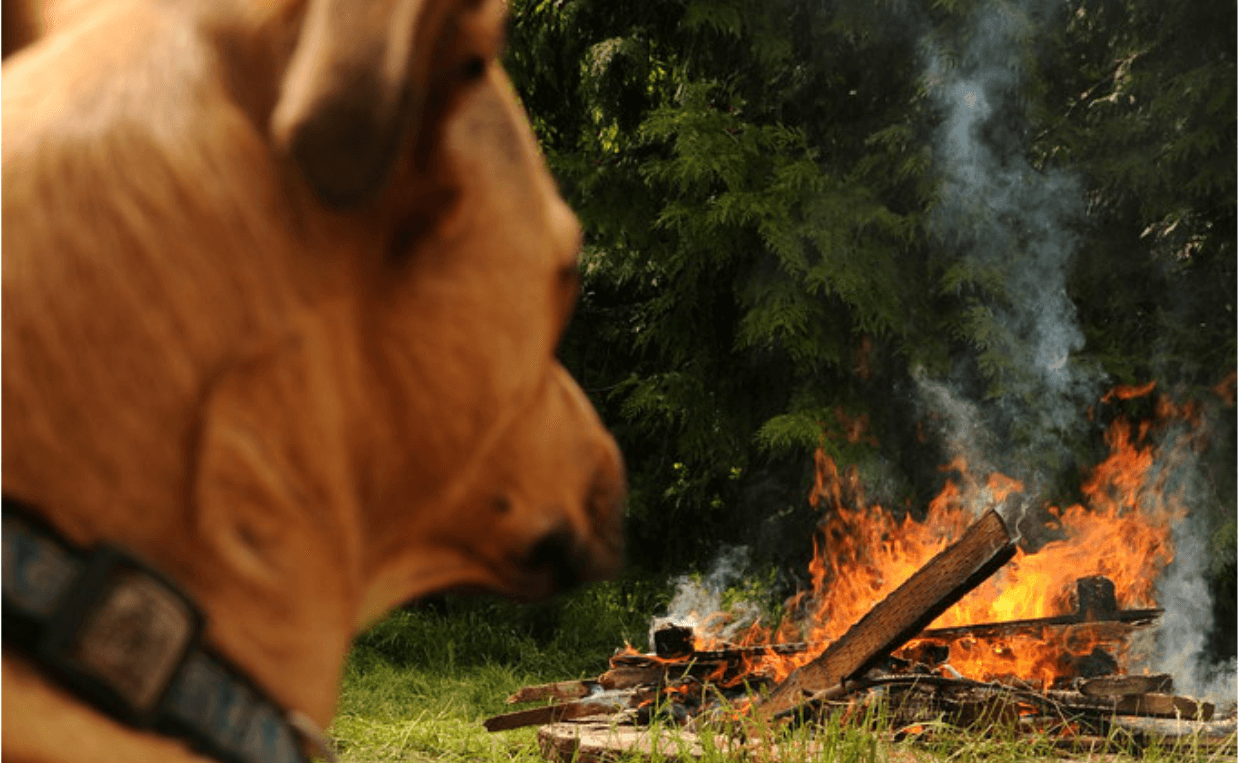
118 631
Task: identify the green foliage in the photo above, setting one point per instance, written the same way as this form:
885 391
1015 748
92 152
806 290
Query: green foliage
739 254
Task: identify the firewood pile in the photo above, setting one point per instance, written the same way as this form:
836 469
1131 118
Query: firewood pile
887 663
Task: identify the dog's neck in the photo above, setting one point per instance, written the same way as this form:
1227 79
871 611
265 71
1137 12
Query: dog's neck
275 573
278 587
292 653
119 635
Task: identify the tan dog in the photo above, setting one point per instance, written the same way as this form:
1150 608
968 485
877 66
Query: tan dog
282 286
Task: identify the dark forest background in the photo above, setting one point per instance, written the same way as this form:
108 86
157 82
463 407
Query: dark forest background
857 226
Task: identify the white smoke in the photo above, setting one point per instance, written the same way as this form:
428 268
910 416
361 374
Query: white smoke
1182 589
962 425
698 600
1183 593
1008 226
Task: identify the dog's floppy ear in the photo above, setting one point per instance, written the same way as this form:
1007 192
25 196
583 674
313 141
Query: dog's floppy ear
348 97
19 25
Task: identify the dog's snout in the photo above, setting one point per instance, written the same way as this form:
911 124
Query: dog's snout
559 494
564 557
561 556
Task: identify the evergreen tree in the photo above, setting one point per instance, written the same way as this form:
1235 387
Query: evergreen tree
777 246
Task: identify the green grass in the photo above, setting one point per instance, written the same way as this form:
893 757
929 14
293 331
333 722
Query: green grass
411 714
418 686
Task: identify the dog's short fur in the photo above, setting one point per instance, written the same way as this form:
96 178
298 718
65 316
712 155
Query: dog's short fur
282 286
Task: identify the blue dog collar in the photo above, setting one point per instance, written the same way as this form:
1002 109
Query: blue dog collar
126 640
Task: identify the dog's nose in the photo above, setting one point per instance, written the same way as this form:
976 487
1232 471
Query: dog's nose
565 557
559 555
559 494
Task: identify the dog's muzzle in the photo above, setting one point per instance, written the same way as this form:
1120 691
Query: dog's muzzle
562 493
568 560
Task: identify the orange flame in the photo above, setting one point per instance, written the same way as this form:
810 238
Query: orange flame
1121 531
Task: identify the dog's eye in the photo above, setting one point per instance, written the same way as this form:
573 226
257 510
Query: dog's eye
472 68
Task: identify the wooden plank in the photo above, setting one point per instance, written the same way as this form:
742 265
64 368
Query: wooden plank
1125 686
1147 705
932 589
1219 737
563 711
737 653
560 690
601 742
635 660
1165 706
591 742
1123 618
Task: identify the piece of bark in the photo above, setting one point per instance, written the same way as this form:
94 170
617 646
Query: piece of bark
559 690
932 589
1125 686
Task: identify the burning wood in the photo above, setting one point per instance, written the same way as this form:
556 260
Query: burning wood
962 566
1032 649
1096 604
1109 623
678 674
678 681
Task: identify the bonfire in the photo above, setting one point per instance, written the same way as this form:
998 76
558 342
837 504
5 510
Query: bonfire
949 617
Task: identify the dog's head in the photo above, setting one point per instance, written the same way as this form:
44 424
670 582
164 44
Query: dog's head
333 271
400 106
